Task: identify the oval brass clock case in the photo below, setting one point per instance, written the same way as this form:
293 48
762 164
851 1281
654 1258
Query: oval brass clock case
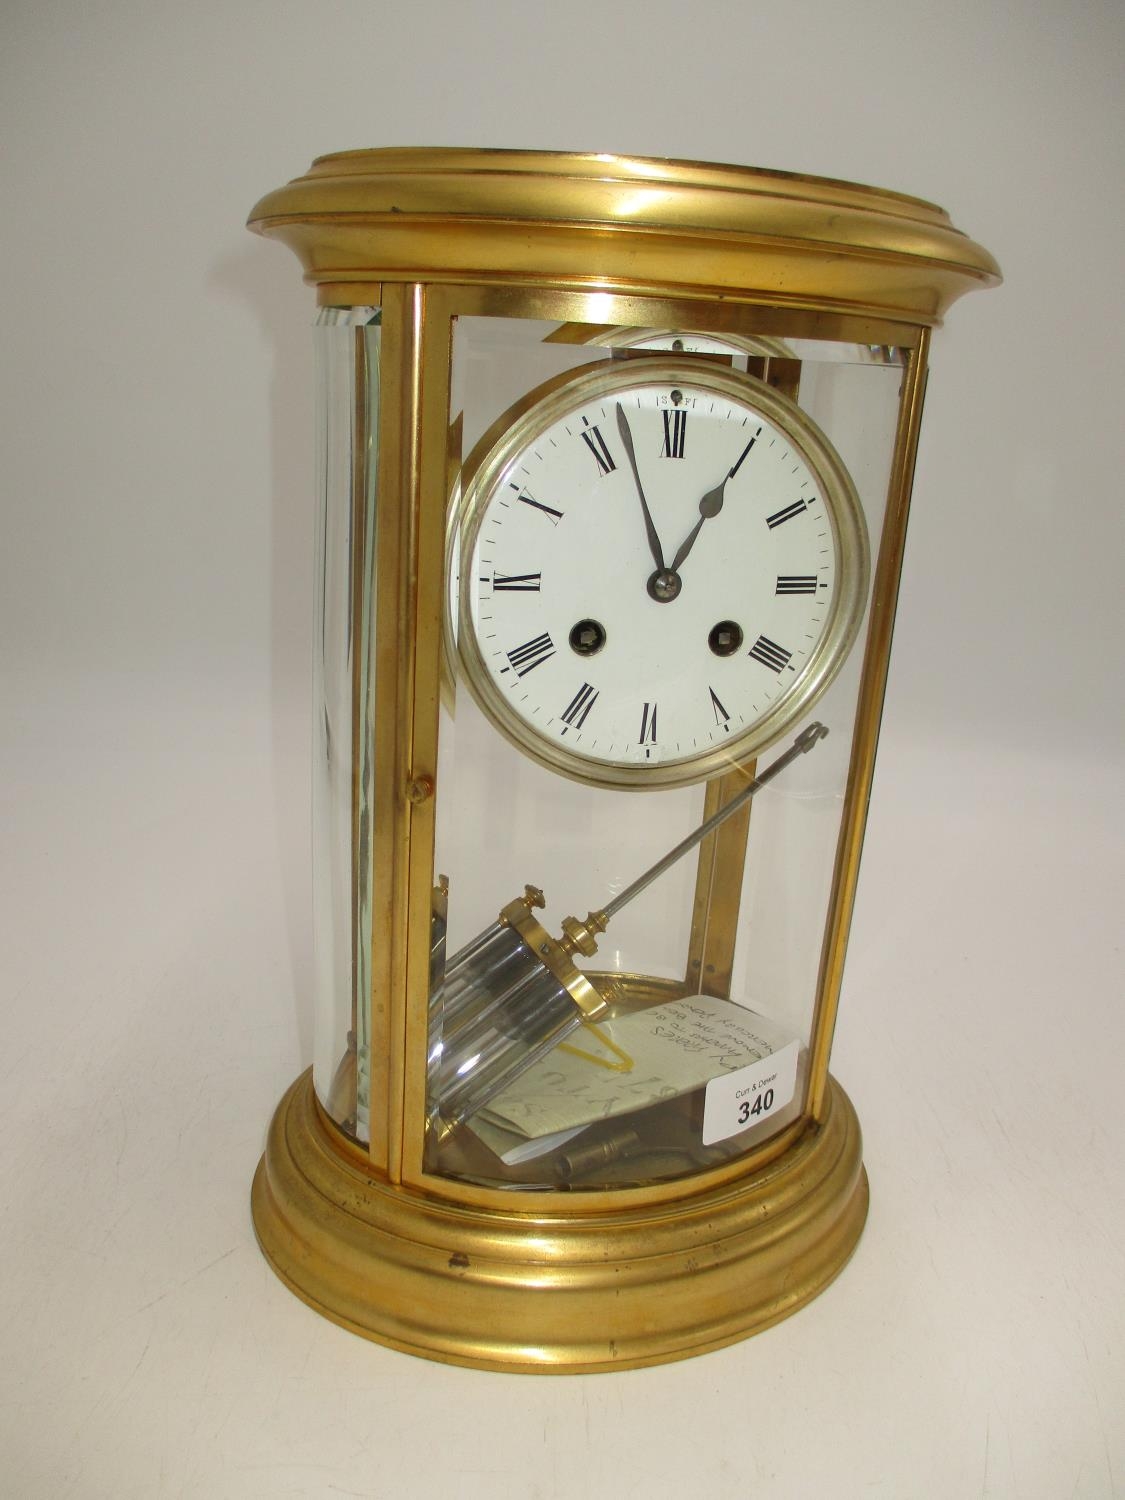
498 456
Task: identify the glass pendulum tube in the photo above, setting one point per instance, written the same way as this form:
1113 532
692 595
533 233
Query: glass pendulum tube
501 1008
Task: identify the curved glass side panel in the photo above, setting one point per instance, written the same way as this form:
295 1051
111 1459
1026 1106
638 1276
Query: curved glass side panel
658 586
347 371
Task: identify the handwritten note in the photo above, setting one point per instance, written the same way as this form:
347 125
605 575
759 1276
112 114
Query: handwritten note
646 1056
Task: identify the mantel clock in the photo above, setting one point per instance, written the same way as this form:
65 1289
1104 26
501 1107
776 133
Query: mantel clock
614 466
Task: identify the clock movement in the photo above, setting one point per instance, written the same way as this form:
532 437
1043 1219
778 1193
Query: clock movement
614 465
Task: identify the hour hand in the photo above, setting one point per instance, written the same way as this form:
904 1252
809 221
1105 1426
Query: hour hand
650 529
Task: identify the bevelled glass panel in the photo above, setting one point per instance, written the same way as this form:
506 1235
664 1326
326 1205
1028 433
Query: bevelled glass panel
347 378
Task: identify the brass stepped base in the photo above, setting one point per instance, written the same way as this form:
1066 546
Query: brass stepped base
553 1292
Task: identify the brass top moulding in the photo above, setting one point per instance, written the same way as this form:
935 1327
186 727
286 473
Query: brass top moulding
626 224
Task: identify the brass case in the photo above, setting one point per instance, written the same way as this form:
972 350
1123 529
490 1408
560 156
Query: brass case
577 1281
546 1293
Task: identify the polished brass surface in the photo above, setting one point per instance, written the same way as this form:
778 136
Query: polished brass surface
583 1279
718 887
636 991
628 223
730 318
391 693
540 1290
416 640
555 957
582 936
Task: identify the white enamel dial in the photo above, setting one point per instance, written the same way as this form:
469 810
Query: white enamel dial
662 565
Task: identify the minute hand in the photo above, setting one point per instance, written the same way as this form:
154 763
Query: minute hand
710 505
650 529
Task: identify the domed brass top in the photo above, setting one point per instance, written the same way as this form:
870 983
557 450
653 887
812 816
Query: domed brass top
595 222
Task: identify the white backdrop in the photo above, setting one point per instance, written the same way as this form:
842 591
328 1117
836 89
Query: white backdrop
155 587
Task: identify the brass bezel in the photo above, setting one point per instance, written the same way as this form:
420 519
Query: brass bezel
498 452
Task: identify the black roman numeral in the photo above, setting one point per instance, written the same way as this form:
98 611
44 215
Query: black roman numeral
780 516
593 439
675 430
648 725
531 654
721 715
770 654
554 516
518 583
579 706
790 583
